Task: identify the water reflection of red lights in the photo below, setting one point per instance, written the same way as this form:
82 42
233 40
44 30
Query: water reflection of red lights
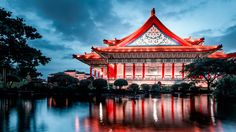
166 112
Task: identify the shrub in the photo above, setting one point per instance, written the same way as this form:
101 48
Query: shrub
184 87
63 79
145 87
226 86
166 89
84 84
175 87
120 83
193 87
100 84
155 88
133 87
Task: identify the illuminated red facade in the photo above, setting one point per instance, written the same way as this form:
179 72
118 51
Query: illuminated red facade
150 54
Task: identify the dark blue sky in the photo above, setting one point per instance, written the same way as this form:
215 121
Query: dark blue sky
73 26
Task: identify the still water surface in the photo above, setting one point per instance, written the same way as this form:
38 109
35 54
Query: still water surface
116 114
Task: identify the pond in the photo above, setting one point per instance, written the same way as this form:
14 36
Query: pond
164 112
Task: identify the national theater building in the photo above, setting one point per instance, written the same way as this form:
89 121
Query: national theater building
150 54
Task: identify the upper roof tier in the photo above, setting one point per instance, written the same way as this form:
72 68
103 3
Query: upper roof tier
153 32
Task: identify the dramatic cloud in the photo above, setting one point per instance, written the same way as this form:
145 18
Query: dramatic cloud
43 44
73 26
228 39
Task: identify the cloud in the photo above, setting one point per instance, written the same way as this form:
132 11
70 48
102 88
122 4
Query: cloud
226 38
178 13
43 44
67 56
85 21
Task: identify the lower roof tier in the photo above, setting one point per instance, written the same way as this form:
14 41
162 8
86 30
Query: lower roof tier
94 58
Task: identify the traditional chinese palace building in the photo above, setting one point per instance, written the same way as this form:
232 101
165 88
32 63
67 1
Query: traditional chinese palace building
150 54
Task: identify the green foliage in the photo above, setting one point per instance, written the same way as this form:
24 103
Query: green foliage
14 49
120 83
84 84
183 87
64 80
193 87
133 87
156 88
226 86
145 87
100 84
207 70
175 87
166 89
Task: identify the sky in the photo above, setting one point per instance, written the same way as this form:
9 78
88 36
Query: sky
73 26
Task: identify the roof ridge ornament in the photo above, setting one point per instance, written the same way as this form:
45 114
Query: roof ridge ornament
153 12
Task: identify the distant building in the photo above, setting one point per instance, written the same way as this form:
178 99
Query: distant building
73 73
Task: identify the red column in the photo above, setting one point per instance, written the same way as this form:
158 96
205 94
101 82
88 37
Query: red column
95 72
99 74
115 70
143 71
102 72
173 70
163 70
108 71
124 71
91 71
133 71
183 71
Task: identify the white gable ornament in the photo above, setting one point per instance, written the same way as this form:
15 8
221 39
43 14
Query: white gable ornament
153 36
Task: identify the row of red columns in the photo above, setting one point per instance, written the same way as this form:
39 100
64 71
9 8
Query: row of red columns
134 71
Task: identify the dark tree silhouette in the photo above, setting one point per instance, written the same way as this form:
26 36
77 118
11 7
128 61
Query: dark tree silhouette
100 84
84 84
120 83
133 87
207 70
14 49
226 87
145 87
155 88
63 79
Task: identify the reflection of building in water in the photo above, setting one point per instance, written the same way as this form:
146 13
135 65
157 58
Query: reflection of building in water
163 112
58 102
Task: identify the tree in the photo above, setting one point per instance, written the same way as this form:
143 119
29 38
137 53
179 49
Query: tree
120 83
14 49
63 79
84 84
100 84
145 87
155 88
207 70
133 87
11 79
226 86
